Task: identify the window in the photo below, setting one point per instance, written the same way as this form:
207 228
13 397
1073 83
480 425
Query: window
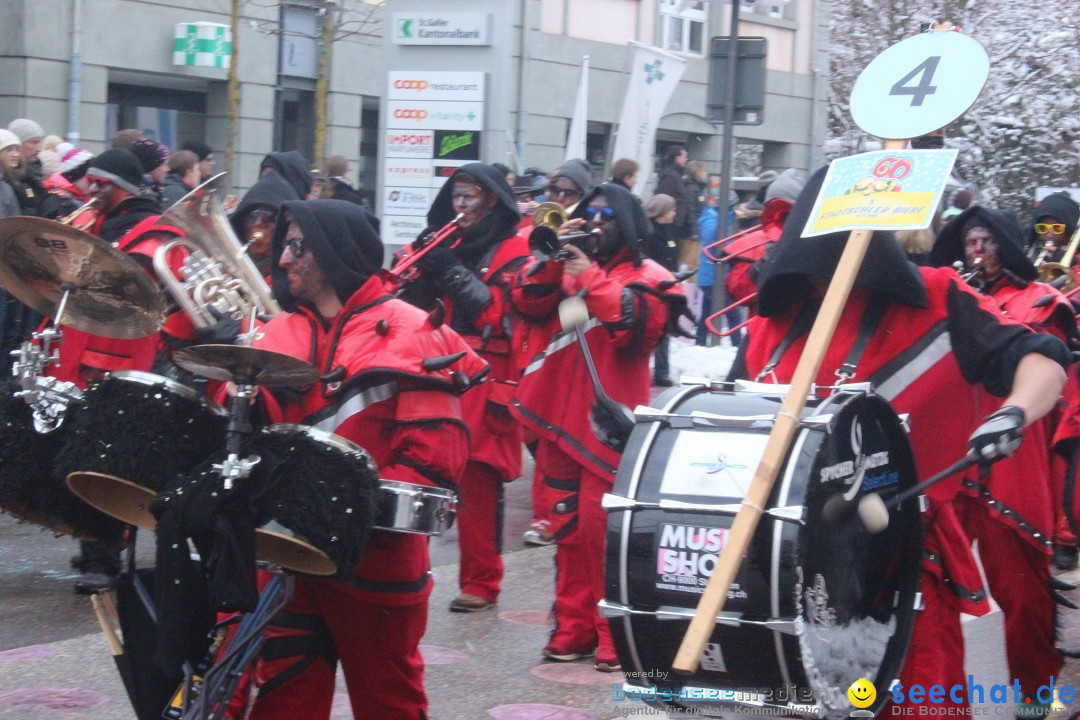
167 115
682 26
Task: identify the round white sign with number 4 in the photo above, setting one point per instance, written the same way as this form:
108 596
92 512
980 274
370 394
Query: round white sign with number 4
919 85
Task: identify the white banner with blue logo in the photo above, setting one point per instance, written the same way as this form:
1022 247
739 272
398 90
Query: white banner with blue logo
654 75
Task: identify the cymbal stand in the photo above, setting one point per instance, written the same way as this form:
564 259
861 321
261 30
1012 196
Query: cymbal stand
237 431
48 397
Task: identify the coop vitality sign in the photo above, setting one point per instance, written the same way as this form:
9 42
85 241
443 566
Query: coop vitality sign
448 28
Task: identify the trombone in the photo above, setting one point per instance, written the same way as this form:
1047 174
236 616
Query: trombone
1061 274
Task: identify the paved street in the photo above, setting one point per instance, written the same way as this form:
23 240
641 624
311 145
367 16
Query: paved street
55 664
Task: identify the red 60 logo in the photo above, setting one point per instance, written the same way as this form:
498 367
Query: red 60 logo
417 85
411 114
895 168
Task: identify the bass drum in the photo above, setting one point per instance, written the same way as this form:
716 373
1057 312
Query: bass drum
816 604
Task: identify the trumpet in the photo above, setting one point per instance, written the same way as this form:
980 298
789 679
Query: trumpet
550 215
546 241
218 279
410 255
1061 274
74 215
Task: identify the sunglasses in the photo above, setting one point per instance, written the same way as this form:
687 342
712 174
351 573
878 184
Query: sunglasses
1055 228
296 247
606 213
268 217
565 192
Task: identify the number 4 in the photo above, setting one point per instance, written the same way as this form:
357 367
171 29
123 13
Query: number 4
926 68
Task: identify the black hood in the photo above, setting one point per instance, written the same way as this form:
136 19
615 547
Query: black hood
949 246
293 167
337 233
499 225
1059 206
786 271
268 192
634 225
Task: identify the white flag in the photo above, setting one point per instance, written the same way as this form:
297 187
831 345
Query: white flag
575 140
654 74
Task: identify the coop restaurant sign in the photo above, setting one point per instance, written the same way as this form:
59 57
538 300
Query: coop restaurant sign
447 28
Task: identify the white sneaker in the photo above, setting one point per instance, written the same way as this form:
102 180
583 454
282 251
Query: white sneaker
538 534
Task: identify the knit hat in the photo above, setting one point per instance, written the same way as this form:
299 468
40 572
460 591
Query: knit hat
72 157
8 138
151 154
120 167
201 149
786 186
26 129
579 171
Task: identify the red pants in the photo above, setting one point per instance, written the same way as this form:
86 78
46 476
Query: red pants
378 646
1018 576
936 653
479 521
573 494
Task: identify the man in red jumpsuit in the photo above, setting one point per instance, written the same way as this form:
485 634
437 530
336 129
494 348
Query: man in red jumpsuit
376 391
1011 512
472 281
632 303
934 351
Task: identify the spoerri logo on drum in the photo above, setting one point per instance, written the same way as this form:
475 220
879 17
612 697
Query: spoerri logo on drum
855 473
686 558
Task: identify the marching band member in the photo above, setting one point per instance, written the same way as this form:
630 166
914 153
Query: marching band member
631 313
933 348
377 392
1052 227
1010 512
473 281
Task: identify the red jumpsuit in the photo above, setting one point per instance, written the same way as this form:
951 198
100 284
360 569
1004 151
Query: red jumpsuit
924 361
1011 513
409 420
554 401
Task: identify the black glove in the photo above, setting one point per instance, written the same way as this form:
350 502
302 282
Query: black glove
222 332
434 264
999 435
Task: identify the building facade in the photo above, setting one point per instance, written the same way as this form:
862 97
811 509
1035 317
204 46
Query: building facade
84 70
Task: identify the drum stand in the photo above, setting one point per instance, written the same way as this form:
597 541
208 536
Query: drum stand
48 397
233 467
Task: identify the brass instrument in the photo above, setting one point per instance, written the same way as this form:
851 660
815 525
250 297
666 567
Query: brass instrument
550 215
408 256
71 217
547 242
1052 273
967 273
217 273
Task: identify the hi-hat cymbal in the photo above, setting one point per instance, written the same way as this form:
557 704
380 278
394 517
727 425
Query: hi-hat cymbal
254 365
110 294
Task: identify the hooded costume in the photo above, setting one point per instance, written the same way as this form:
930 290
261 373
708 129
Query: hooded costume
936 351
268 193
632 303
376 392
472 281
1022 491
1061 207
293 169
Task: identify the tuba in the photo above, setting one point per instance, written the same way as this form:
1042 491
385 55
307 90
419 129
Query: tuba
217 273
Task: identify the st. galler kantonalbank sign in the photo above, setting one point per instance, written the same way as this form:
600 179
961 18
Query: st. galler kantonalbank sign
444 28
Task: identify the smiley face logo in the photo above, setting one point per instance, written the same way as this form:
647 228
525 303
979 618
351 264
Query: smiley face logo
862 693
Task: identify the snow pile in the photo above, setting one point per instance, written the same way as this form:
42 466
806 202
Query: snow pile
685 358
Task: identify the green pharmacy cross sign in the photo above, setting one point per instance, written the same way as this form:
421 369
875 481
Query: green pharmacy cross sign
202 44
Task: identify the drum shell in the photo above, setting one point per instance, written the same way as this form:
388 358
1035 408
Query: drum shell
778 579
30 487
417 509
141 427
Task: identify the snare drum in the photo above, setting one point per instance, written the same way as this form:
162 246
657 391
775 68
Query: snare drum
417 509
815 605
134 432
29 488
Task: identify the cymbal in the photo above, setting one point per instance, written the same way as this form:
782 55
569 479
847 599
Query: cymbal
115 496
110 295
254 365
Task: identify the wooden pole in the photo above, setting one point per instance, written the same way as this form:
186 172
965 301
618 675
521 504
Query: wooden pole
783 431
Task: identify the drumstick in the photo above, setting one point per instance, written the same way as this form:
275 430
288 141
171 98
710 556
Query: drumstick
874 511
783 431
106 626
